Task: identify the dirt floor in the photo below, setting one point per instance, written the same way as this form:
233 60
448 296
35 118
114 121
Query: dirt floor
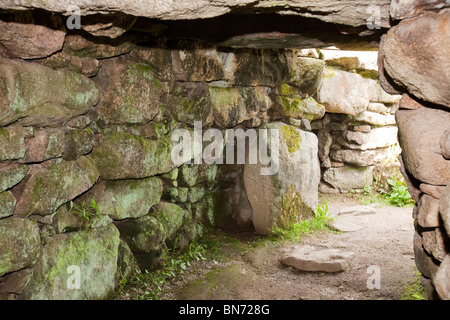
252 269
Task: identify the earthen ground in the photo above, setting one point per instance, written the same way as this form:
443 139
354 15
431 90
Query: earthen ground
251 268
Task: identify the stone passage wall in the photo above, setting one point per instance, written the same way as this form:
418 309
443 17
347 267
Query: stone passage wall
414 61
87 181
358 135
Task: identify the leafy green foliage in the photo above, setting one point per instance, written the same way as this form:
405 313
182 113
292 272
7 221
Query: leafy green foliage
88 212
319 222
369 195
398 195
148 285
414 291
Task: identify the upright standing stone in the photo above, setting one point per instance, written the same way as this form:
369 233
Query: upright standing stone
291 193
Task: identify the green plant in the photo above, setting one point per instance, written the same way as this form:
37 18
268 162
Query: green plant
319 222
398 195
88 212
148 285
369 195
414 291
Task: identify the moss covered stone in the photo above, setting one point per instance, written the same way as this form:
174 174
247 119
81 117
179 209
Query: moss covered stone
19 244
293 208
190 175
93 253
122 155
306 75
131 93
292 138
297 107
127 264
232 106
188 102
12 142
196 193
48 189
143 234
124 199
46 143
259 67
172 175
177 195
292 191
38 95
170 215
11 174
78 142
7 204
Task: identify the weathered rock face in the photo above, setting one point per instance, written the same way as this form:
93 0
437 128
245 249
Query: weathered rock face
337 12
346 178
350 93
30 35
410 62
441 278
291 193
414 58
379 137
47 189
127 97
92 255
11 175
419 134
20 244
38 95
124 199
403 9
126 156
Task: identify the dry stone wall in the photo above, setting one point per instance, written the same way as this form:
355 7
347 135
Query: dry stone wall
357 136
412 63
88 183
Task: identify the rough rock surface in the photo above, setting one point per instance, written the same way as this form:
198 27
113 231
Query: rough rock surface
31 35
19 244
41 95
416 69
127 96
48 189
404 9
355 14
445 208
308 258
123 199
93 253
291 193
419 134
442 279
347 178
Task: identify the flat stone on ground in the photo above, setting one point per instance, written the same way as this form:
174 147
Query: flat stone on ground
343 225
308 258
358 210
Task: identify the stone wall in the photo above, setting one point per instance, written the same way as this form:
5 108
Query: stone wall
358 135
413 60
87 177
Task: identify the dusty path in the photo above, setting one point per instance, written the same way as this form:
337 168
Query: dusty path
251 271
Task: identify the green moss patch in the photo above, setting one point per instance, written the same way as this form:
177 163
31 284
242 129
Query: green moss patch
292 138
